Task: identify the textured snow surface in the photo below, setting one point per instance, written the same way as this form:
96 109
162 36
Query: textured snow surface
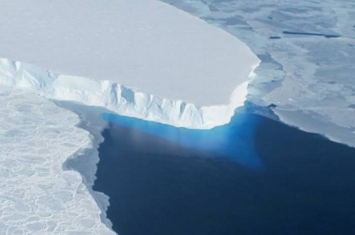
117 98
36 195
307 53
143 44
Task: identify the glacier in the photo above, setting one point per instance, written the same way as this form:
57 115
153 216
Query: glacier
180 71
161 64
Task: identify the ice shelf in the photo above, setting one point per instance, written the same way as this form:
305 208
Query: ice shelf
140 58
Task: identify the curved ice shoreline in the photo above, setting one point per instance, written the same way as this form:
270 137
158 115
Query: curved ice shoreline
118 98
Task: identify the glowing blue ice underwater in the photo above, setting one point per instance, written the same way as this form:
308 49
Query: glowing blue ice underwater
234 140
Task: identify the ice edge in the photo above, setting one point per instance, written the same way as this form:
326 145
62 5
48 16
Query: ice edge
91 149
120 99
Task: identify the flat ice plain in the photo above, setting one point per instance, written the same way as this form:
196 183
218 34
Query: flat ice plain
175 68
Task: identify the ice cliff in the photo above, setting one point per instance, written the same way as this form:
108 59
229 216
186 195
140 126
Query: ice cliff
118 98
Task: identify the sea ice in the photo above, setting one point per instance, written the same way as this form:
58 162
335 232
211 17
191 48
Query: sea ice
307 53
36 195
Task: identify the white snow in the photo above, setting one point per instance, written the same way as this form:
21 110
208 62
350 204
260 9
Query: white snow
146 59
36 196
166 57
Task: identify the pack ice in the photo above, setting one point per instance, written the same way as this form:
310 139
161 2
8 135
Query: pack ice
36 196
140 58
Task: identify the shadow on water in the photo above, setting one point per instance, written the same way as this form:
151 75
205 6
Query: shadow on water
234 141
311 34
164 180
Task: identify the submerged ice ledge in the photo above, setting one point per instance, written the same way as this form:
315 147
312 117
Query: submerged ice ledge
118 98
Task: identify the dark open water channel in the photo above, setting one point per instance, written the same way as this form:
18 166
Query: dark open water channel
253 176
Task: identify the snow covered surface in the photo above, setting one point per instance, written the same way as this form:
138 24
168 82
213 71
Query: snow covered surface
307 49
307 52
36 195
147 46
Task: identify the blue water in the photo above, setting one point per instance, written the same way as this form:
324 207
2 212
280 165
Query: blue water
234 141
253 176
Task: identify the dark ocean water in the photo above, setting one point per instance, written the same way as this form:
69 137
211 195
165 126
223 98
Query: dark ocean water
253 176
